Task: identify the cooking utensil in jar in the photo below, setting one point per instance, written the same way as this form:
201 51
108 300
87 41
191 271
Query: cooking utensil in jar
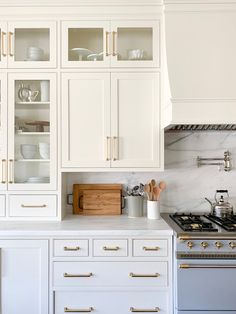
147 190
221 208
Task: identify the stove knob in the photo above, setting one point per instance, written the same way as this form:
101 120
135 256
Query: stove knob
218 244
190 244
232 245
204 244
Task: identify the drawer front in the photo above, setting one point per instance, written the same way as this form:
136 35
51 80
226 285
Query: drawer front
93 274
110 248
150 248
2 205
74 248
107 302
33 205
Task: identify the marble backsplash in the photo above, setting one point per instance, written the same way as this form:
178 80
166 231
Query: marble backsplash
187 185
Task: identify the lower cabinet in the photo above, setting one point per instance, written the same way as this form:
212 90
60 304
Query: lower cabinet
24 276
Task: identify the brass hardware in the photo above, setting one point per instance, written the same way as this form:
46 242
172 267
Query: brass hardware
232 245
204 244
209 237
155 248
3 176
218 244
155 310
66 275
107 44
114 53
33 206
187 266
115 248
67 310
11 179
115 148
190 244
108 148
144 275
4 54
76 248
10 34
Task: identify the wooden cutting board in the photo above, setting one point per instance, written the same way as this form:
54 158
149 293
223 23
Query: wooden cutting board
97 199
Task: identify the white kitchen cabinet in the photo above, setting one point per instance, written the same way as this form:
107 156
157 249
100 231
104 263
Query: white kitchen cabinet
110 43
24 276
117 127
3 131
28 44
2 205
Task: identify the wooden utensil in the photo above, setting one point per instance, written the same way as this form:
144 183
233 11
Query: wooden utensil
147 189
162 185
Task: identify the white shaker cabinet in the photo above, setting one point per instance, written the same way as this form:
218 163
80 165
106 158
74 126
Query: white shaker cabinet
3 131
111 120
24 276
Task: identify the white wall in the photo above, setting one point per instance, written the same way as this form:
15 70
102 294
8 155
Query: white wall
187 185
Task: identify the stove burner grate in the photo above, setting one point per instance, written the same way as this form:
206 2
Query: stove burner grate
228 223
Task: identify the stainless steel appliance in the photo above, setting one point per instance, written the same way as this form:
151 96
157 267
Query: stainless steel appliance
205 263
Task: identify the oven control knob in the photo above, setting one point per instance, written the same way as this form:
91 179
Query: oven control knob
232 245
204 244
218 244
190 244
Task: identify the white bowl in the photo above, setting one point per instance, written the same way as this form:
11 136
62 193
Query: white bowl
28 151
44 150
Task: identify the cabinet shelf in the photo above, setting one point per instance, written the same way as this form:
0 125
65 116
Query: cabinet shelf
33 103
33 160
33 133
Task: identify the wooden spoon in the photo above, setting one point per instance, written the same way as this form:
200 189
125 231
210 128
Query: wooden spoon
147 189
156 193
162 185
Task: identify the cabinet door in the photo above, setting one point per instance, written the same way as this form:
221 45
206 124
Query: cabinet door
3 45
3 132
32 148
85 120
135 44
24 276
135 112
85 44
32 44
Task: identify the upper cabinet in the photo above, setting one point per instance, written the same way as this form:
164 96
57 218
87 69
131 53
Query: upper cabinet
115 44
28 44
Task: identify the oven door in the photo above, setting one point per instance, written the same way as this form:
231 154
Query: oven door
206 285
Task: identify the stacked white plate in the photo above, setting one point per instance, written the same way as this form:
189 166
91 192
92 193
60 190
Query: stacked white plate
35 54
36 180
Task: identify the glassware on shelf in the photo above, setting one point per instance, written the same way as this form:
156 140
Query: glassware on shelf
28 151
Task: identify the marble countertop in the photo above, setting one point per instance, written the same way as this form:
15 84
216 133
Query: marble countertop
89 226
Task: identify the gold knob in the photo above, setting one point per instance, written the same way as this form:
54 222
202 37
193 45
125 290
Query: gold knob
190 244
232 245
218 244
204 245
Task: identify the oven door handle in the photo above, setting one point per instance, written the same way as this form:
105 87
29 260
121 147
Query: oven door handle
188 266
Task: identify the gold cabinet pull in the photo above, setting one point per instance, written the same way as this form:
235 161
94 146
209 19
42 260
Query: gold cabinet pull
10 172
134 310
4 180
76 248
144 275
33 206
108 144
10 36
4 53
107 44
68 310
114 53
107 248
66 275
115 148
188 266
155 248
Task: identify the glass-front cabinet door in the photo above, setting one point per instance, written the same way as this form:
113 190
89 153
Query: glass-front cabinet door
3 132
32 131
85 44
31 44
3 45
135 44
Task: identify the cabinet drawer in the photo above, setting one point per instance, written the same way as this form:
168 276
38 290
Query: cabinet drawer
110 248
150 247
33 205
107 302
2 205
93 274
74 248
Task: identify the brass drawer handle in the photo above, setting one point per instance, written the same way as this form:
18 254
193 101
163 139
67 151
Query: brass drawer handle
4 54
33 206
108 144
156 248
115 248
11 171
144 275
67 310
114 53
4 180
115 148
213 266
66 275
10 35
134 310
76 248
107 44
